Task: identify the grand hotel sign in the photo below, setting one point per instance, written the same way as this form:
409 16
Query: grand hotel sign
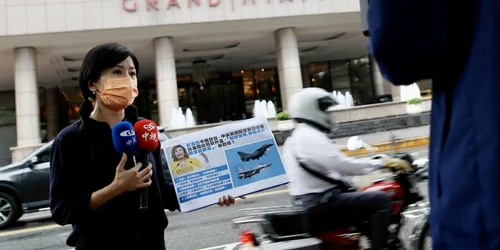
155 5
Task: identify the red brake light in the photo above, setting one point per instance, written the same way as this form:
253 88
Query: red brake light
247 237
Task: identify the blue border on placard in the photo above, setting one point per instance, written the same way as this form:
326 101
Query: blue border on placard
196 182
238 197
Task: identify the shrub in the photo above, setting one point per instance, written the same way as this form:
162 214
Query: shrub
283 116
414 101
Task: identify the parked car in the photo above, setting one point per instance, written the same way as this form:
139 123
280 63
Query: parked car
24 185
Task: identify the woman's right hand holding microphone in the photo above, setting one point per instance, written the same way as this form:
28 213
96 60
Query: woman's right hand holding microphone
125 180
132 179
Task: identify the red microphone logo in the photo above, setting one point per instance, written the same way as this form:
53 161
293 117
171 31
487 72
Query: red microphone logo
147 135
152 132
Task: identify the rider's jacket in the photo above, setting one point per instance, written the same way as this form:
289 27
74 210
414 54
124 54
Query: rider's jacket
314 149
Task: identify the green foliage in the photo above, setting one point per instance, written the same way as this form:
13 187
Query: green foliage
414 101
283 116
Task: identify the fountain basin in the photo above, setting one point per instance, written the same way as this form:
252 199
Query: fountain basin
356 113
284 125
413 108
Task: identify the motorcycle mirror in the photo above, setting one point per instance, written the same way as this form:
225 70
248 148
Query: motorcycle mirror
354 143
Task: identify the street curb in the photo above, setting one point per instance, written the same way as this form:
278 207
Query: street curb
388 146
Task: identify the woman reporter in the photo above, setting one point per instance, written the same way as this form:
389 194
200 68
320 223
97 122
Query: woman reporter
93 187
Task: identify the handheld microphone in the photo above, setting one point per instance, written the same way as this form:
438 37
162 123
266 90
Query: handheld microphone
147 142
124 138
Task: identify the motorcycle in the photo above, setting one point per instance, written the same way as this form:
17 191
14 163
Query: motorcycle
286 227
417 226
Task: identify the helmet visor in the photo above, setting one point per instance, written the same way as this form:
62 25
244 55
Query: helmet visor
324 103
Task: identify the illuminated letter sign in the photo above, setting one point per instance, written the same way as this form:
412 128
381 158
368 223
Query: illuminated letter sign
152 3
129 8
132 5
213 3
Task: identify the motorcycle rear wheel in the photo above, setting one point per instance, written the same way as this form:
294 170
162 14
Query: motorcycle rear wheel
425 239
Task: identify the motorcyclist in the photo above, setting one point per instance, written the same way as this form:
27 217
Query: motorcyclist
326 202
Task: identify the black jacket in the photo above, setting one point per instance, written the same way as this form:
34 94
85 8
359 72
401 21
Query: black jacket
83 161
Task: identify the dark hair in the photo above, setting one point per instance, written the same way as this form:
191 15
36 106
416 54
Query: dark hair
97 60
186 155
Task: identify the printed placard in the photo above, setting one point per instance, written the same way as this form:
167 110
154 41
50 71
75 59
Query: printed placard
235 159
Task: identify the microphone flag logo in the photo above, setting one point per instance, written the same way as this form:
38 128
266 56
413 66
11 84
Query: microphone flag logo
149 127
151 133
131 141
127 133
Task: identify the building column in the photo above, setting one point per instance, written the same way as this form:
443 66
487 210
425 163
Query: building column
166 79
52 106
289 69
396 93
382 86
27 103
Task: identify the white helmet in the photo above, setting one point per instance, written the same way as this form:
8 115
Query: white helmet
310 105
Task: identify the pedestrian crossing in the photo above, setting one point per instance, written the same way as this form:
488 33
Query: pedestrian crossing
232 246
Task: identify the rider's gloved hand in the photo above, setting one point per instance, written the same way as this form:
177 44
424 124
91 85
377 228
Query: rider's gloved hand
397 164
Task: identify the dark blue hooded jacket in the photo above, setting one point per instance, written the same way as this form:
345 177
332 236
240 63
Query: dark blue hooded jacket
457 44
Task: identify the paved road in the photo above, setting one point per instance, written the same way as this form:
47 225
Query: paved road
198 230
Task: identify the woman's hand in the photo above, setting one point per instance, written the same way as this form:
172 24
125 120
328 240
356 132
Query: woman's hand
132 179
228 201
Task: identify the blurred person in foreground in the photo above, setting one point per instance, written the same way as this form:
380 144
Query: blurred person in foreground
457 45
329 204
93 187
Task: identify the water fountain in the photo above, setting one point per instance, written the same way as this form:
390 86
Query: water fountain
345 101
337 96
263 108
403 93
259 109
341 100
271 110
409 92
181 119
416 89
256 108
349 100
173 119
190 122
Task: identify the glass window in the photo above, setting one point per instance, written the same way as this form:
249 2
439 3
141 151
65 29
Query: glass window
353 76
43 156
249 88
321 76
266 84
361 80
259 84
73 98
340 76
7 108
151 103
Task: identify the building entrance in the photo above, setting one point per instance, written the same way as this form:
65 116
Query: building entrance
219 100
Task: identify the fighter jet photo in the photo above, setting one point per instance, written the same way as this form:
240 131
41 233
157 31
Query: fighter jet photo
244 174
257 154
